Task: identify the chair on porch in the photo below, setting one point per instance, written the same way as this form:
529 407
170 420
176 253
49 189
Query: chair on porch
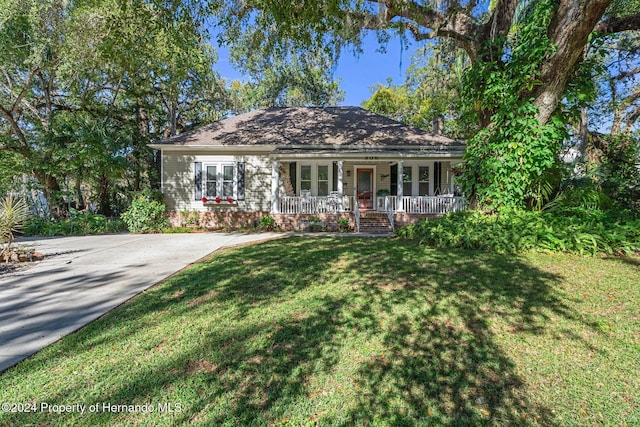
305 201
333 201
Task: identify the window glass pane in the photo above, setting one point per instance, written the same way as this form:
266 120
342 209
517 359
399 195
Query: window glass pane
323 188
323 180
305 173
406 174
305 178
227 189
406 180
211 173
323 173
364 181
423 175
228 173
423 178
211 190
227 181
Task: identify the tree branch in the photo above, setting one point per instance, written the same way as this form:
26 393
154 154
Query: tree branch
631 120
15 129
625 74
454 24
500 21
616 25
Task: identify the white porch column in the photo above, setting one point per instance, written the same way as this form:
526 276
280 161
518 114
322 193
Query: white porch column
400 195
340 188
275 193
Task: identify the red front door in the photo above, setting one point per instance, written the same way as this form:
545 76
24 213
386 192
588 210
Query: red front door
364 188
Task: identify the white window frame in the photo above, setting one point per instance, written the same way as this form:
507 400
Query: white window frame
314 176
415 176
220 179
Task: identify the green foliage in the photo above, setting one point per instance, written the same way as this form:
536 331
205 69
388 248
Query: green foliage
288 79
621 175
13 214
506 162
267 223
573 230
431 92
189 217
115 76
343 225
80 225
179 230
145 215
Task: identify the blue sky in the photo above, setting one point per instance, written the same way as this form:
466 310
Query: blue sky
357 74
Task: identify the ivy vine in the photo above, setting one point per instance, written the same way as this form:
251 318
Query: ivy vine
505 161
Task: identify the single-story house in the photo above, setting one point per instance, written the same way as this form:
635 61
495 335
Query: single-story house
302 164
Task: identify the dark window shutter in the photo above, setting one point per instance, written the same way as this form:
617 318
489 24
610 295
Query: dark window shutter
240 180
394 180
437 177
292 175
197 168
335 176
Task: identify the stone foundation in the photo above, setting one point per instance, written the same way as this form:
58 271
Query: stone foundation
233 220
221 220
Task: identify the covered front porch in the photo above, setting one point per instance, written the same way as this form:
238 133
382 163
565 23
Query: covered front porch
359 187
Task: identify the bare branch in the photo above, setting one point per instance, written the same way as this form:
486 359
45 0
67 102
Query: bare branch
625 74
417 35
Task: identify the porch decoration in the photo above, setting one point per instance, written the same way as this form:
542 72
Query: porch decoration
218 200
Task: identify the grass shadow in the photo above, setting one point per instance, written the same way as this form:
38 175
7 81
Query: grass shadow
306 330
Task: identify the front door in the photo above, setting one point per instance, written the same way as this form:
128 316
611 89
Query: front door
364 188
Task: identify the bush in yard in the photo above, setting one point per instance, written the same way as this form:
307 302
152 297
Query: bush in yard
145 215
267 223
343 225
575 230
81 224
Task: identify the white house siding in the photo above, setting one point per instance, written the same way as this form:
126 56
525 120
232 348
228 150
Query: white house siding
178 180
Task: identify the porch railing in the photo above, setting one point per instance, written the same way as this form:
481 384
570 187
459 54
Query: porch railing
315 204
428 204
410 204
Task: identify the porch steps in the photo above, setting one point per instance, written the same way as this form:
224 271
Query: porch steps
374 222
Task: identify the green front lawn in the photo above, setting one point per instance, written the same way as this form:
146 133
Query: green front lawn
341 331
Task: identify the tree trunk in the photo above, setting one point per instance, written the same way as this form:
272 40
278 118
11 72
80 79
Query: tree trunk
104 198
51 190
569 32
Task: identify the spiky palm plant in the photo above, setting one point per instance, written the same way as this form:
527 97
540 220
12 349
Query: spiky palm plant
13 214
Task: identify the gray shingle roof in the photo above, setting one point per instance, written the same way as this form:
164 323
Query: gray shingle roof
310 126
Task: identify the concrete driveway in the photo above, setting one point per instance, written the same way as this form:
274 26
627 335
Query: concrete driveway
83 278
